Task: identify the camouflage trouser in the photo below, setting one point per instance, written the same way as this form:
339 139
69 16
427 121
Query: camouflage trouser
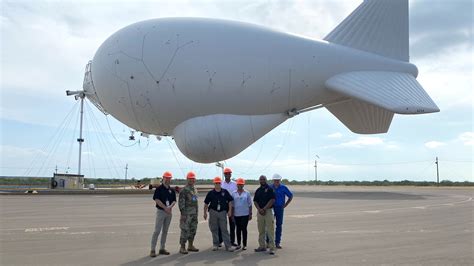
188 228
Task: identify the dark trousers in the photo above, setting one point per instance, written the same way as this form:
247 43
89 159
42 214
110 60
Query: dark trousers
231 231
241 223
278 211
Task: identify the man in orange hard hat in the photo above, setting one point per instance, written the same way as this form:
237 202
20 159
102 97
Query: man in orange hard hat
165 199
230 186
219 204
188 206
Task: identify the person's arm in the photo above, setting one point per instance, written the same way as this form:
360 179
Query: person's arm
206 207
249 201
231 204
230 213
271 201
207 200
182 205
173 201
159 203
269 204
289 195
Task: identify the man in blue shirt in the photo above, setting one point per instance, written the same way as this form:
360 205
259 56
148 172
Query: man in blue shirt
281 192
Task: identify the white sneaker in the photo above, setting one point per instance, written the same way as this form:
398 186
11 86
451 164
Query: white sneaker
214 248
230 249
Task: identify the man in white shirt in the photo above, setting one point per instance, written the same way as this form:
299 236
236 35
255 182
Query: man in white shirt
230 186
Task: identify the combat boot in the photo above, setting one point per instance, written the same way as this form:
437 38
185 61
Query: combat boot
191 247
183 250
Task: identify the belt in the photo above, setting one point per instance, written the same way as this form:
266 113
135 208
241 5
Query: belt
217 210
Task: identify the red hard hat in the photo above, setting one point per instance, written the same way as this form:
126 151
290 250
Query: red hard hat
240 181
227 170
191 175
167 175
217 180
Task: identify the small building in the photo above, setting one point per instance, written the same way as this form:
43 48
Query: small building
67 181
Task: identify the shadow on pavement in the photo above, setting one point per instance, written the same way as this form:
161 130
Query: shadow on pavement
205 257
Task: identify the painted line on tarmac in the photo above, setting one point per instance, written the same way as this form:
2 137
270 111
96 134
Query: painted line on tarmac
45 229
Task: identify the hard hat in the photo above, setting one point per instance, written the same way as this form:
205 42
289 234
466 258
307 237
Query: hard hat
240 181
227 170
217 180
191 175
167 175
276 177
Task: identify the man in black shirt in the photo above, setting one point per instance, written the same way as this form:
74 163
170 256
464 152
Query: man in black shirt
263 201
165 199
219 204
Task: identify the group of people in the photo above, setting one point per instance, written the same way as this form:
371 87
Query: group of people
228 202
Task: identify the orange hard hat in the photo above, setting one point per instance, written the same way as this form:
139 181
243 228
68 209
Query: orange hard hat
240 181
227 170
191 175
217 180
167 175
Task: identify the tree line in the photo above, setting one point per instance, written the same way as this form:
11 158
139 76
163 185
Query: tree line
146 180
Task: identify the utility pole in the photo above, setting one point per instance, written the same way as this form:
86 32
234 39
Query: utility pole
316 170
221 166
56 168
437 170
79 95
126 170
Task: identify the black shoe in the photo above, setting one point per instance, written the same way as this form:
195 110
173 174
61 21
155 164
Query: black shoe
260 249
220 245
278 246
163 252
244 248
234 245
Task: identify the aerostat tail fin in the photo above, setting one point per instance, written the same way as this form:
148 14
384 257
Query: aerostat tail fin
376 26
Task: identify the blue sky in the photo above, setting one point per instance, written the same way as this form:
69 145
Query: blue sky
46 45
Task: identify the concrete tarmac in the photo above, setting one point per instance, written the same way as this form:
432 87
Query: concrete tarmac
322 226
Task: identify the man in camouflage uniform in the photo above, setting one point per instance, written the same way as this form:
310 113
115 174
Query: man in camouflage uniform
188 206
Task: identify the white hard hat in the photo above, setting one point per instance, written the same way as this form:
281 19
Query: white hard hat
276 177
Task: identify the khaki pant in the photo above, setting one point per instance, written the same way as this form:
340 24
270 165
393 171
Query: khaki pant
162 223
266 228
218 221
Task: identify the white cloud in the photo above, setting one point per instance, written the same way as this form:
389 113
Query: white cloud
19 152
467 138
434 144
336 135
362 142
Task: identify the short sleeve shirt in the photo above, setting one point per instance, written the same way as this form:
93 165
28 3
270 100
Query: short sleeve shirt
231 186
242 203
165 195
263 195
218 201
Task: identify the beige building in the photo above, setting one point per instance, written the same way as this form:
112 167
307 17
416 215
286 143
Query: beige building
67 181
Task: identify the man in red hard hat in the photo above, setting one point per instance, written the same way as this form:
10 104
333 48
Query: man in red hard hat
218 203
188 206
230 186
165 199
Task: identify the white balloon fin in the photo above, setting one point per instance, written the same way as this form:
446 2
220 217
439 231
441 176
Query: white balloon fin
394 91
376 26
361 117
212 138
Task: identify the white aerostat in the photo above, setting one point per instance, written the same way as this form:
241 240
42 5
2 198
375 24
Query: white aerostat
218 86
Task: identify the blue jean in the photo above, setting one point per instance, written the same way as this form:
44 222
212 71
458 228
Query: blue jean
278 212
